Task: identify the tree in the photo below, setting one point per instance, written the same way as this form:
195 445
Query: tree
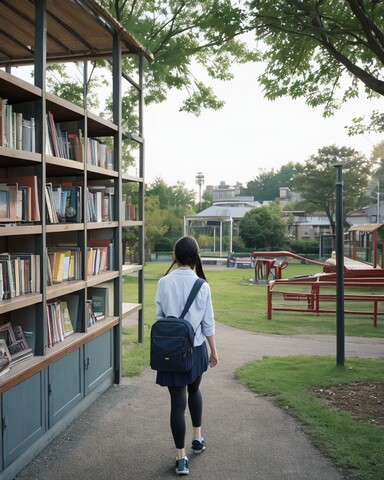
171 195
180 35
322 50
174 201
262 227
266 185
155 224
316 183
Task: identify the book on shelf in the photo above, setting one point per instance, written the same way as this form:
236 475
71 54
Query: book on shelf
66 318
29 183
8 282
5 357
9 202
75 147
50 204
99 301
106 248
3 102
75 308
19 274
59 201
59 323
102 298
29 267
16 130
90 314
64 264
99 154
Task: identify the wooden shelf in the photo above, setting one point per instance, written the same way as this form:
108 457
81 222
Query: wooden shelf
130 309
21 301
89 358
129 269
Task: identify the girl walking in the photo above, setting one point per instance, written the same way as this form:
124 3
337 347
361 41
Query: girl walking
172 293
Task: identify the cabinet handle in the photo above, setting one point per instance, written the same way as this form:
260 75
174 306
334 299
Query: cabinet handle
4 423
86 363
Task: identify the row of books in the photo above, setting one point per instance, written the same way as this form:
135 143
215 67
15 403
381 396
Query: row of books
19 274
62 317
100 204
19 200
16 130
66 140
63 140
60 321
64 264
64 203
13 347
99 256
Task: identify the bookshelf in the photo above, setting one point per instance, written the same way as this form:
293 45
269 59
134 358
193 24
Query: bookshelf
62 218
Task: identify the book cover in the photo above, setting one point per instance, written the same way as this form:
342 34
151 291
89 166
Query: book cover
58 267
102 299
67 325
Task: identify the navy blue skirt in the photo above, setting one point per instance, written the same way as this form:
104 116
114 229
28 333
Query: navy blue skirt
200 365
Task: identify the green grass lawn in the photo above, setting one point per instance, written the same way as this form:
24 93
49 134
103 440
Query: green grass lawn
240 303
353 444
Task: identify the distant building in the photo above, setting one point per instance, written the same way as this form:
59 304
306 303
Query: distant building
373 213
224 191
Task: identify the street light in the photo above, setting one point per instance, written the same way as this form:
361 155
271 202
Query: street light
200 182
340 335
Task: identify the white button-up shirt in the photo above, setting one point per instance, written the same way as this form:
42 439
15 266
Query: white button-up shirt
171 297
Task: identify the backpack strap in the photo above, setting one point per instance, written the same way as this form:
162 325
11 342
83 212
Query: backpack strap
196 287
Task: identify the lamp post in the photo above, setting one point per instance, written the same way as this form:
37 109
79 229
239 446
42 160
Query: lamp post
340 341
200 182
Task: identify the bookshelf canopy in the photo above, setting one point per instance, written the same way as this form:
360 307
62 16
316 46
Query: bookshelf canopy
77 30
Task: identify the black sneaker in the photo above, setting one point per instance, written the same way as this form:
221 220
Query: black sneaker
198 446
181 467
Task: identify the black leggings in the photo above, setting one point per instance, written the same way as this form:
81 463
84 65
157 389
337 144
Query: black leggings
178 406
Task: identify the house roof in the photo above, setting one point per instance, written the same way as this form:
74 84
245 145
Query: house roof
216 211
76 30
366 227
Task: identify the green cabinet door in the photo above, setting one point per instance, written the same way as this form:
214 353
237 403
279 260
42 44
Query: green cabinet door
24 416
65 385
98 361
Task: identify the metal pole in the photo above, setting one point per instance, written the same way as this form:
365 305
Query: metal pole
340 341
378 203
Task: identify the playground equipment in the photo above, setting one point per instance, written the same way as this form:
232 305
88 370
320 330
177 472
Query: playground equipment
363 278
271 264
364 293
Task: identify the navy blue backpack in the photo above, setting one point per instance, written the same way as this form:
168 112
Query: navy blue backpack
172 340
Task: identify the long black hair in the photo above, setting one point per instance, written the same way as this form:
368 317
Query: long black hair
186 253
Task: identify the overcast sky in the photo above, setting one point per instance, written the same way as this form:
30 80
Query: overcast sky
248 134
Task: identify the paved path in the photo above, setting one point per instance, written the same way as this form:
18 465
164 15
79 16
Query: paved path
125 434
